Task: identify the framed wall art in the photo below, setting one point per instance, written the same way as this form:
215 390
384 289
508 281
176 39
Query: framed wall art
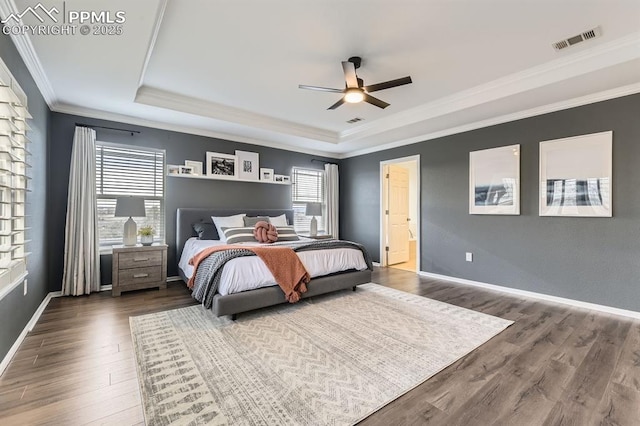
196 167
186 170
576 176
494 181
222 165
248 167
266 174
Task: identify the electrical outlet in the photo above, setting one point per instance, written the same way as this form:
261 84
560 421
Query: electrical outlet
24 284
469 257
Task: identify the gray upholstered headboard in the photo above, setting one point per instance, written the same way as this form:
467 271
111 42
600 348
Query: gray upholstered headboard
186 217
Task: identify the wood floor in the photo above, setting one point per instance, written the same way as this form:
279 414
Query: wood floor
555 365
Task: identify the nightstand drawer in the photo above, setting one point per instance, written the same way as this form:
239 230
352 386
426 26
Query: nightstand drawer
139 259
139 276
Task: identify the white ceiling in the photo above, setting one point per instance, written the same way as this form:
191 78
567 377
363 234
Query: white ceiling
232 69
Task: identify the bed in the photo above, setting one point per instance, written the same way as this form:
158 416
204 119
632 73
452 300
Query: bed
232 299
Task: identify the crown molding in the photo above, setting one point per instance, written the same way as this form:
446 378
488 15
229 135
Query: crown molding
152 42
27 52
532 112
605 55
176 102
120 118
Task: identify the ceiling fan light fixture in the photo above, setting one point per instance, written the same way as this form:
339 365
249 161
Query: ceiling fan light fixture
353 96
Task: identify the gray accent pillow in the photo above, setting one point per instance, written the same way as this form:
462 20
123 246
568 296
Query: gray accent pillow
251 221
239 235
286 233
206 231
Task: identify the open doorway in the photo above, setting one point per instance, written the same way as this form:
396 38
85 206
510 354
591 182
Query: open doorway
400 213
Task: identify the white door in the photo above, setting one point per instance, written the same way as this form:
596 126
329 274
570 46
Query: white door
398 217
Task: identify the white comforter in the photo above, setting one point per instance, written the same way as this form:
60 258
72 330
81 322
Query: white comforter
248 273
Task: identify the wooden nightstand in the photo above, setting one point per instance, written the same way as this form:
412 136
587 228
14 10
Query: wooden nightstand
318 237
138 267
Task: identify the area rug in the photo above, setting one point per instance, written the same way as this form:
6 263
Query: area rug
331 360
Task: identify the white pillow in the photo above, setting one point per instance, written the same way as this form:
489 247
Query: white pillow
235 221
279 220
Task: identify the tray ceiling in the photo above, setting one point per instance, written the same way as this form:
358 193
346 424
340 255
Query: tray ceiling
232 69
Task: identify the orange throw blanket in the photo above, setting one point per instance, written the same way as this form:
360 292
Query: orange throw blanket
283 262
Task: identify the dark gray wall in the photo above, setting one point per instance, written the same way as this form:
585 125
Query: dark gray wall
15 309
180 192
589 259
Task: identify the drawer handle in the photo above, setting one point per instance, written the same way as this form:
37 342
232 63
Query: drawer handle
140 275
140 259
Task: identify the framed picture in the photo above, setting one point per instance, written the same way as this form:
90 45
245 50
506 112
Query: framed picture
278 178
173 170
266 174
221 165
575 176
286 179
248 167
494 181
185 170
196 166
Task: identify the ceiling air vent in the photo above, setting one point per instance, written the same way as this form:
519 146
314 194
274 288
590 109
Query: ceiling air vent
587 35
354 120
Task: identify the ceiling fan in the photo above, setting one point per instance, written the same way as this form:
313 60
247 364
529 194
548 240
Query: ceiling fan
355 91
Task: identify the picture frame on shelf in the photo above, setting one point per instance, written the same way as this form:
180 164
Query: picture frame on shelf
266 174
286 179
494 181
185 170
173 169
196 166
221 165
278 178
248 165
576 176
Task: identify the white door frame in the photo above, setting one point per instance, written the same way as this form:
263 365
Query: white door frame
383 221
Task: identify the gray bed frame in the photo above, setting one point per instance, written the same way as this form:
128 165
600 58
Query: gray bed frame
234 304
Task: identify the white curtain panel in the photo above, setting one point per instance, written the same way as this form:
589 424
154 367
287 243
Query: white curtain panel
81 246
332 186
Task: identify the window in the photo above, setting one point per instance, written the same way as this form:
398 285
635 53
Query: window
123 170
14 182
307 186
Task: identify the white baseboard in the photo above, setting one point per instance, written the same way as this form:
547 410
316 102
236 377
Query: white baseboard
375 263
534 295
32 322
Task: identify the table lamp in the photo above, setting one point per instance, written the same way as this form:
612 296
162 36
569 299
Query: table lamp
128 207
313 209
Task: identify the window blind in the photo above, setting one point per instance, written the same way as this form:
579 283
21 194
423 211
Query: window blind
307 186
124 170
14 181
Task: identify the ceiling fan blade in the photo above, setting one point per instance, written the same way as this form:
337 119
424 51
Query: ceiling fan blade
337 104
350 74
320 89
375 101
388 84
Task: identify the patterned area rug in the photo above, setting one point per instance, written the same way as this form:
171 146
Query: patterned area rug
332 360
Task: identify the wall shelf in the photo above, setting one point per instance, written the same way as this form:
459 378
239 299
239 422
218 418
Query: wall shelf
227 179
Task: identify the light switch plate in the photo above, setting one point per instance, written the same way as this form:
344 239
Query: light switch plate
469 257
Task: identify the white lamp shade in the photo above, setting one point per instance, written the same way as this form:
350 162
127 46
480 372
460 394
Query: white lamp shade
313 209
130 206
